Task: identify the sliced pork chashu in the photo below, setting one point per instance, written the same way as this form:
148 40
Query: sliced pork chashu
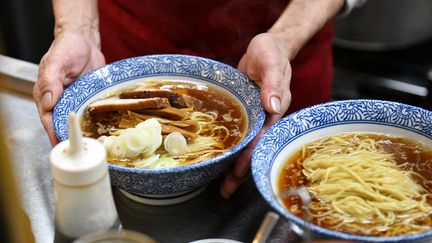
116 104
169 113
176 100
131 119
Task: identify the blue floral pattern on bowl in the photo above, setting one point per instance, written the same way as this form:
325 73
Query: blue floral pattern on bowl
170 181
335 114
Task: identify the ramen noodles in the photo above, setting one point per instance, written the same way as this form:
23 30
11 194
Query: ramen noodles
161 124
363 183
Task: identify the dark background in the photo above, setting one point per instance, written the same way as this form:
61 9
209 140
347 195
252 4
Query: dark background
401 73
26 28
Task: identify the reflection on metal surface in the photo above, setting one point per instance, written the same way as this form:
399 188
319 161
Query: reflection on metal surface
352 84
163 201
30 156
306 199
216 240
429 74
396 24
403 87
399 75
14 222
115 236
17 75
266 227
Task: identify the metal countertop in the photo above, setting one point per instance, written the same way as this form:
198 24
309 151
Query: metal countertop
205 216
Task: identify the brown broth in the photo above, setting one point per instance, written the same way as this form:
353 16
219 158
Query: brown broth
214 99
415 156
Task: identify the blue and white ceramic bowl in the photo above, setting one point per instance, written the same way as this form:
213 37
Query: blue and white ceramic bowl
170 182
289 134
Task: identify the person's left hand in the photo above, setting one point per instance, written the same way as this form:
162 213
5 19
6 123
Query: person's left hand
267 62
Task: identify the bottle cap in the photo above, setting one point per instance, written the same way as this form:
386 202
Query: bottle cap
78 161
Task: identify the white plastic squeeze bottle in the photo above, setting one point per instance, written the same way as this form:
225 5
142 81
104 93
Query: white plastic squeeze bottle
83 196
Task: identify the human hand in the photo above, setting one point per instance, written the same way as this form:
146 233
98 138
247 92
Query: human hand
71 55
267 62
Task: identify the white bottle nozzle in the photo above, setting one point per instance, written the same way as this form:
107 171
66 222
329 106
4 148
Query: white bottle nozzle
81 181
75 135
78 160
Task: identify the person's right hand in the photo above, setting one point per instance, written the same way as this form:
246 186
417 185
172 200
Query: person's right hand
71 55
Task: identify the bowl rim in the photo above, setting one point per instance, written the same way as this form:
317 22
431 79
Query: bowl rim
252 127
272 199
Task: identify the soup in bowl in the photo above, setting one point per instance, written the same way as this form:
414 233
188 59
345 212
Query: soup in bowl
352 170
170 123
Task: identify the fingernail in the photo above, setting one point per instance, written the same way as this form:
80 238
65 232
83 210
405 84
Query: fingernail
275 104
46 102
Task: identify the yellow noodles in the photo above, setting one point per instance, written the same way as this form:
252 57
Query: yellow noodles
209 118
358 184
209 141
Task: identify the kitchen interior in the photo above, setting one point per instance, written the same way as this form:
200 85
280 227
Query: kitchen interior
382 50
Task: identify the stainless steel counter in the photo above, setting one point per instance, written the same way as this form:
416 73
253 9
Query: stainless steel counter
205 216
30 150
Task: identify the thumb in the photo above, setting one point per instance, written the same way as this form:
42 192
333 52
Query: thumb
48 87
275 93
46 92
